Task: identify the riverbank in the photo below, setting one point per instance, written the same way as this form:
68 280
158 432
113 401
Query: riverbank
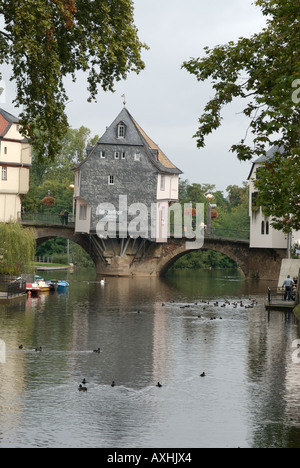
297 311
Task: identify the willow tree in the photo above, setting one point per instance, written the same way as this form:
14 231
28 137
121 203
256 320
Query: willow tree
17 248
47 40
264 71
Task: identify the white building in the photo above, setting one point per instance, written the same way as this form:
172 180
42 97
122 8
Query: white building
15 163
262 234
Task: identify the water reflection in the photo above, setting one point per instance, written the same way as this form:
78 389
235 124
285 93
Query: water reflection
150 330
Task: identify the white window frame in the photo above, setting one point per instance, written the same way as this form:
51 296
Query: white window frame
83 212
117 155
111 180
137 157
123 155
4 173
162 182
121 130
102 154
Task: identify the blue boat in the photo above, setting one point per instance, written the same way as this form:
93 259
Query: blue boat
62 286
59 286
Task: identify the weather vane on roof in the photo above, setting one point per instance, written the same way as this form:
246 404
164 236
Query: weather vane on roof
124 101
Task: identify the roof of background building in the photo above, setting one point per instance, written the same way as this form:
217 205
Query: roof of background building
6 121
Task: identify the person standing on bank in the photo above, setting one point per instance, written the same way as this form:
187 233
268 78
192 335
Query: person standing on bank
288 283
66 216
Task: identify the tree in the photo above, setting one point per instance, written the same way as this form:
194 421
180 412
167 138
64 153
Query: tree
46 40
17 248
264 71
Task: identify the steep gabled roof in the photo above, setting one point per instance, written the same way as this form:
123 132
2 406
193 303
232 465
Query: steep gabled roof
262 159
6 121
135 136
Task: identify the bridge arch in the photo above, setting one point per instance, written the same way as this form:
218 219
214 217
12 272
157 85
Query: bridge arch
238 251
44 233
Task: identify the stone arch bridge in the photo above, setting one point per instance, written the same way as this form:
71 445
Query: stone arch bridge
139 257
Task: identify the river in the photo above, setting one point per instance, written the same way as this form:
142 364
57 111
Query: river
167 330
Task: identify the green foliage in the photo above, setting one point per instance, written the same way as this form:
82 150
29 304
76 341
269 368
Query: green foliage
262 71
203 259
233 221
17 248
55 177
46 40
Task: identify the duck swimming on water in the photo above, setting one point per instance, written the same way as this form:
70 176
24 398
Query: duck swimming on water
159 385
82 389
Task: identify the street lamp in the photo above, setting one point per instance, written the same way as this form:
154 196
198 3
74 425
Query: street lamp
209 197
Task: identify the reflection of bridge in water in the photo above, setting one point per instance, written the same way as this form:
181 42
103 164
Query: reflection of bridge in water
141 257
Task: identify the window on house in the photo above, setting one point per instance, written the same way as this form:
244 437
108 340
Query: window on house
102 154
111 180
262 227
137 157
123 155
162 182
5 149
83 212
4 173
117 155
267 228
121 130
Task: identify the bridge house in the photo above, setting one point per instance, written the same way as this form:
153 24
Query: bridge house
15 163
125 162
262 234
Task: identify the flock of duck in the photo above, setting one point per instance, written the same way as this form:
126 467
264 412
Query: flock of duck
234 304
252 303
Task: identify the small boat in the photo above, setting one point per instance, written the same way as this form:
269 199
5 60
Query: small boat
62 286
33 288
59 286
44 285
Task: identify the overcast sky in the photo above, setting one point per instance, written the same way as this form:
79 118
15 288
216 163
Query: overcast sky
164 99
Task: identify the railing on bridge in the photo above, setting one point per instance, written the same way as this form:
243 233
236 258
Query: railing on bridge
55 219
45 218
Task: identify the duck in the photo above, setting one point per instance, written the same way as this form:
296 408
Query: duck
38 350
82 389
159 385
84 381
97 350
21 347
203 374
113 384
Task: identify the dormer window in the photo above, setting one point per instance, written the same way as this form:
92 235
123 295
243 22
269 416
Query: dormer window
121 130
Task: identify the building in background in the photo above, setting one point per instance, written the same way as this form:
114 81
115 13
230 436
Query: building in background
15 163
262 234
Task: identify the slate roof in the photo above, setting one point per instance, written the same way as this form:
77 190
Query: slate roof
135 136
262 159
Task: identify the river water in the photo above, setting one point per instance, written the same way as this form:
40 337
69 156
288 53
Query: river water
168 330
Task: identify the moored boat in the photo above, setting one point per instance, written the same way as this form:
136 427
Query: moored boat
33 288
62 286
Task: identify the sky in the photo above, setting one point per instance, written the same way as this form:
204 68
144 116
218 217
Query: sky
165 99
